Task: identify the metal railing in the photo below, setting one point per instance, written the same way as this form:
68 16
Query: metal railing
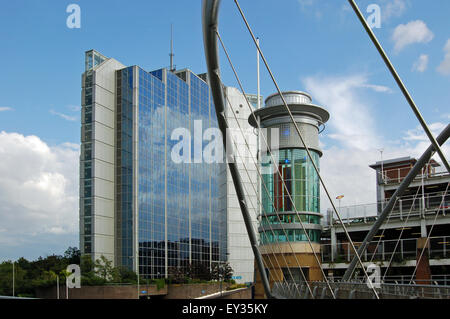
396 175
436 280
359 290
384 250
367 213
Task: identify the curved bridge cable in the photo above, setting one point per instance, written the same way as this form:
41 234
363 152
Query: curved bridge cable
253 207
210 15
278 171
306 148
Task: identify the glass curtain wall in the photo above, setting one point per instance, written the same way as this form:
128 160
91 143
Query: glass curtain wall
301 183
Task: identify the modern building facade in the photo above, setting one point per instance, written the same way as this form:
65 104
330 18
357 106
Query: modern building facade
245 142
290 189
139 207
421 212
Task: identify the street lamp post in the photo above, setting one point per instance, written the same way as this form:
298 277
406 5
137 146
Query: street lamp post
13 278
381 150
339 199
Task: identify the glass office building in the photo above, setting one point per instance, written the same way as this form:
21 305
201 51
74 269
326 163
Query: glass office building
145 211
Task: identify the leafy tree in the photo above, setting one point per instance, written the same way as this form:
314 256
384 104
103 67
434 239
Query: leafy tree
104 269
222 271
72 255
124 275
86 264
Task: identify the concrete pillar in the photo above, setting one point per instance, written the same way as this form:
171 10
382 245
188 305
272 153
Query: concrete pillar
423 228
423 273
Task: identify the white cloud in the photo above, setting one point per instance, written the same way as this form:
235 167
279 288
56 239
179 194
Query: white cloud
38 190
5 108
421 64
64 116
393 8
444 67
377 88
345 166
410 33
352 122
346 169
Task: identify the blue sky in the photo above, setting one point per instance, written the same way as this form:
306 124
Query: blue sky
317 46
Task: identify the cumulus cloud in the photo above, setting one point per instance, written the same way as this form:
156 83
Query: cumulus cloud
421 64
5 108
38 192
342 96
411 33
444 67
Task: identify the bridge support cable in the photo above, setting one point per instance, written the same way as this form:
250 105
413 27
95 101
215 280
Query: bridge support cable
277 169
273 204
210 12
380 238
387 223
400 83
401 233
442 138
254 189
303 142
253 207
428 236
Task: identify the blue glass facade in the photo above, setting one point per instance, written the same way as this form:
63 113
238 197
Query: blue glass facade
181 216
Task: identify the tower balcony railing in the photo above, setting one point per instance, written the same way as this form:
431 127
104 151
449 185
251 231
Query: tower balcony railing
396 175
385 250
405 206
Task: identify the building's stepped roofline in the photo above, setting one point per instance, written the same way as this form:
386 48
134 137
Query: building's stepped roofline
400 162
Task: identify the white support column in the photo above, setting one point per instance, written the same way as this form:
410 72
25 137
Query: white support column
423 228
333 243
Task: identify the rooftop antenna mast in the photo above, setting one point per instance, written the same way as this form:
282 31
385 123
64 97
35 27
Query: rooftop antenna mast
171 54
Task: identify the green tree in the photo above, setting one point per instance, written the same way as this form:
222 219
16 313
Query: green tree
124 275
222 271
104 269
72 256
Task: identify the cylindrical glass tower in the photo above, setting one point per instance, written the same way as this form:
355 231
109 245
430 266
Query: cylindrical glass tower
295 195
